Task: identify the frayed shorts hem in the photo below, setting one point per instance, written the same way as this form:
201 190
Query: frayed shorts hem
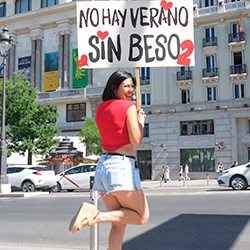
117 190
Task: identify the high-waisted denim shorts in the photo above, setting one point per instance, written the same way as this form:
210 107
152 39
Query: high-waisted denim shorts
116 173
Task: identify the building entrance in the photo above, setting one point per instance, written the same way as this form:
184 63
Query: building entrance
144 160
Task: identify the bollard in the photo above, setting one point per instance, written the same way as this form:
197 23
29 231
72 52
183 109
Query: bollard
94 234
207 179
184 182
161 182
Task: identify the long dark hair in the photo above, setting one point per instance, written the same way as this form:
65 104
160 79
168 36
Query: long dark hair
114 82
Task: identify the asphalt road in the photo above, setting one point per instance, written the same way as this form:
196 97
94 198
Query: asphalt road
187 218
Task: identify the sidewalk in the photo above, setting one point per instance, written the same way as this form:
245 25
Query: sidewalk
149 184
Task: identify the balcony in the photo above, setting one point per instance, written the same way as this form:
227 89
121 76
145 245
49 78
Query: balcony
220 8
236 37
209 41
61 95
210 72
184 75
238 69
238 72
184 78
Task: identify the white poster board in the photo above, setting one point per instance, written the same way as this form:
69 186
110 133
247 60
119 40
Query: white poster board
135 33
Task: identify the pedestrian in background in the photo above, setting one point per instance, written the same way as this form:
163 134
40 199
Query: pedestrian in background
181 173
167 173
186 172
163 175
220 167
235 164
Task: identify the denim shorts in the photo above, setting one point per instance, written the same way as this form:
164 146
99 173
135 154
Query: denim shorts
116 173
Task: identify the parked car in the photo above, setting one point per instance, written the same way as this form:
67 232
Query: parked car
31 178
237 177
77 177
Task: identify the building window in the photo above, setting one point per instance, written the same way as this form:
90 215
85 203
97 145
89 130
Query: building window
23 6
239 91
205 127
144 76
209 3
235 28
185 96
47 3
145 99
76 112
210 39
211 94
199 160
209 32
146 130
2 9
210 61
248 126
210 66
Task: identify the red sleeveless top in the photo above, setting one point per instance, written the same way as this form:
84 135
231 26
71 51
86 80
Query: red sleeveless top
111 122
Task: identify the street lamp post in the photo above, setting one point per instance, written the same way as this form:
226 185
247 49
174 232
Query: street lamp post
5 45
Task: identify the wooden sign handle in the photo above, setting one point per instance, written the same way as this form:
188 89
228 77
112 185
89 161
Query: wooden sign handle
138 94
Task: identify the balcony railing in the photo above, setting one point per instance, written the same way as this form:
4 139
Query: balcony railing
236 37
184 75
209 41
238 69
220 8
210 72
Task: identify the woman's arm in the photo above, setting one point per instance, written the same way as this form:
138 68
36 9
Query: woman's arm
135 124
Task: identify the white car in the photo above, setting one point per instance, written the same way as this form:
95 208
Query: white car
31 178
236 177
75 178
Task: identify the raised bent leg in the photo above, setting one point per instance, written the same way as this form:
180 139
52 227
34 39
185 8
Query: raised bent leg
124 207
133 208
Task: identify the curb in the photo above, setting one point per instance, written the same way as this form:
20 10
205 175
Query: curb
23 195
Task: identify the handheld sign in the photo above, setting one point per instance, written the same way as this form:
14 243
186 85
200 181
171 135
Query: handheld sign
135 33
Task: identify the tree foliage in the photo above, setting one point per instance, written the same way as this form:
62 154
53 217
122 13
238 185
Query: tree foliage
30 126
89 135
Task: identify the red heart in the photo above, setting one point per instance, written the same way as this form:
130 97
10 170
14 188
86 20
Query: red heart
102 35
83 61
166 5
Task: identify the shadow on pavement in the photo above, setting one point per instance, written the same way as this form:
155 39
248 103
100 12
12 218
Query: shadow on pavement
191 232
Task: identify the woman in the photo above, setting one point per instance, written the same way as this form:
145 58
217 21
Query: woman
117 178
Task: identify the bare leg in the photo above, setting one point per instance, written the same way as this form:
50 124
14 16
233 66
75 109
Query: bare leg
117 229
133 208
134 213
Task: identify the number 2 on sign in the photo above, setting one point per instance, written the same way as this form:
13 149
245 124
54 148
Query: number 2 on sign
183 58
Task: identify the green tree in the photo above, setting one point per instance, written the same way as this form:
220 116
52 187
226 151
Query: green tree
89 135
30 126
